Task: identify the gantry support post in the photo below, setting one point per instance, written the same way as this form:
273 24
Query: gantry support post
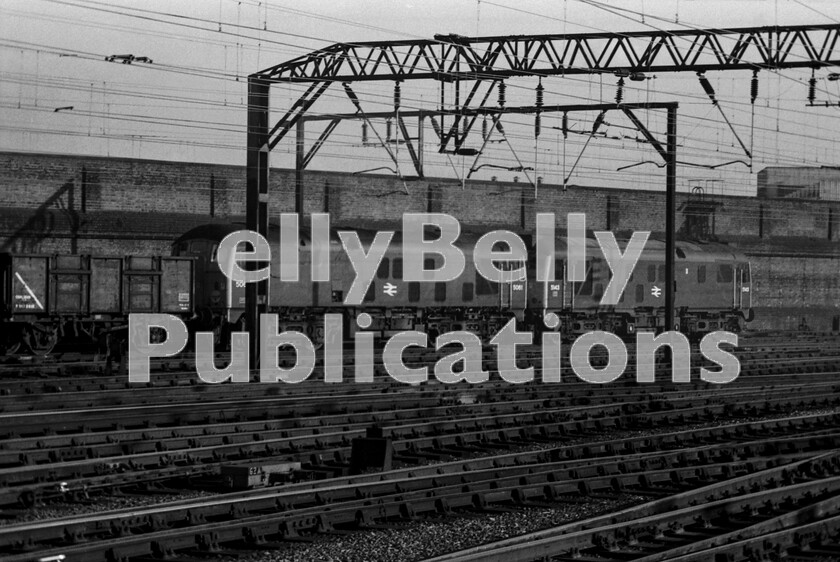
300 164
420 139
256 202
670 214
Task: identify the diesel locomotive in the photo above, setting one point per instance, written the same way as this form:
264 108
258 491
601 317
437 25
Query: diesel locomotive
713 291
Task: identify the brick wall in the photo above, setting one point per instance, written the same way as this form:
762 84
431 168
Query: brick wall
117 184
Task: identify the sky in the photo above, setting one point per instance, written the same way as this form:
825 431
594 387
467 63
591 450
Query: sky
189 102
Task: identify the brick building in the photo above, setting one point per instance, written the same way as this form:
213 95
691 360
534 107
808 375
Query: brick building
821 183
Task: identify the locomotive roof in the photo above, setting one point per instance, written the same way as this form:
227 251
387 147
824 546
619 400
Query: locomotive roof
688 250
698 251
217 231
213 231
655 248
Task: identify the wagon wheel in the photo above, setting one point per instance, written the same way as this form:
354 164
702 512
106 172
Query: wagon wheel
41 338
10 342
9 347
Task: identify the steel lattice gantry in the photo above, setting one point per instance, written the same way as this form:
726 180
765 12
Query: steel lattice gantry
453 58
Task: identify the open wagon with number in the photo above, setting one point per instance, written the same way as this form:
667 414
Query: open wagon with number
48 299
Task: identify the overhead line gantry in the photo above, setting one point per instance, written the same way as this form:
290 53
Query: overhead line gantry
455 59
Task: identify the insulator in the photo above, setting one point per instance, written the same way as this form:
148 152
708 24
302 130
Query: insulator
484 129
388 129
502 88
812 89
364 132
710 91
537 125
754 87
540 90
396 96
565 125
598 121
619 93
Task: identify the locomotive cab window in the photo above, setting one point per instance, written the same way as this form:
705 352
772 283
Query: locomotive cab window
440 291
182 248
413 291
701 274
396 269
651 273
745 273
467 292
382 270
724 273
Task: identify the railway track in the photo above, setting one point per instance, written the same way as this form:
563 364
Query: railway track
755 517
42 449
86 392
800 448
423 427
457 448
